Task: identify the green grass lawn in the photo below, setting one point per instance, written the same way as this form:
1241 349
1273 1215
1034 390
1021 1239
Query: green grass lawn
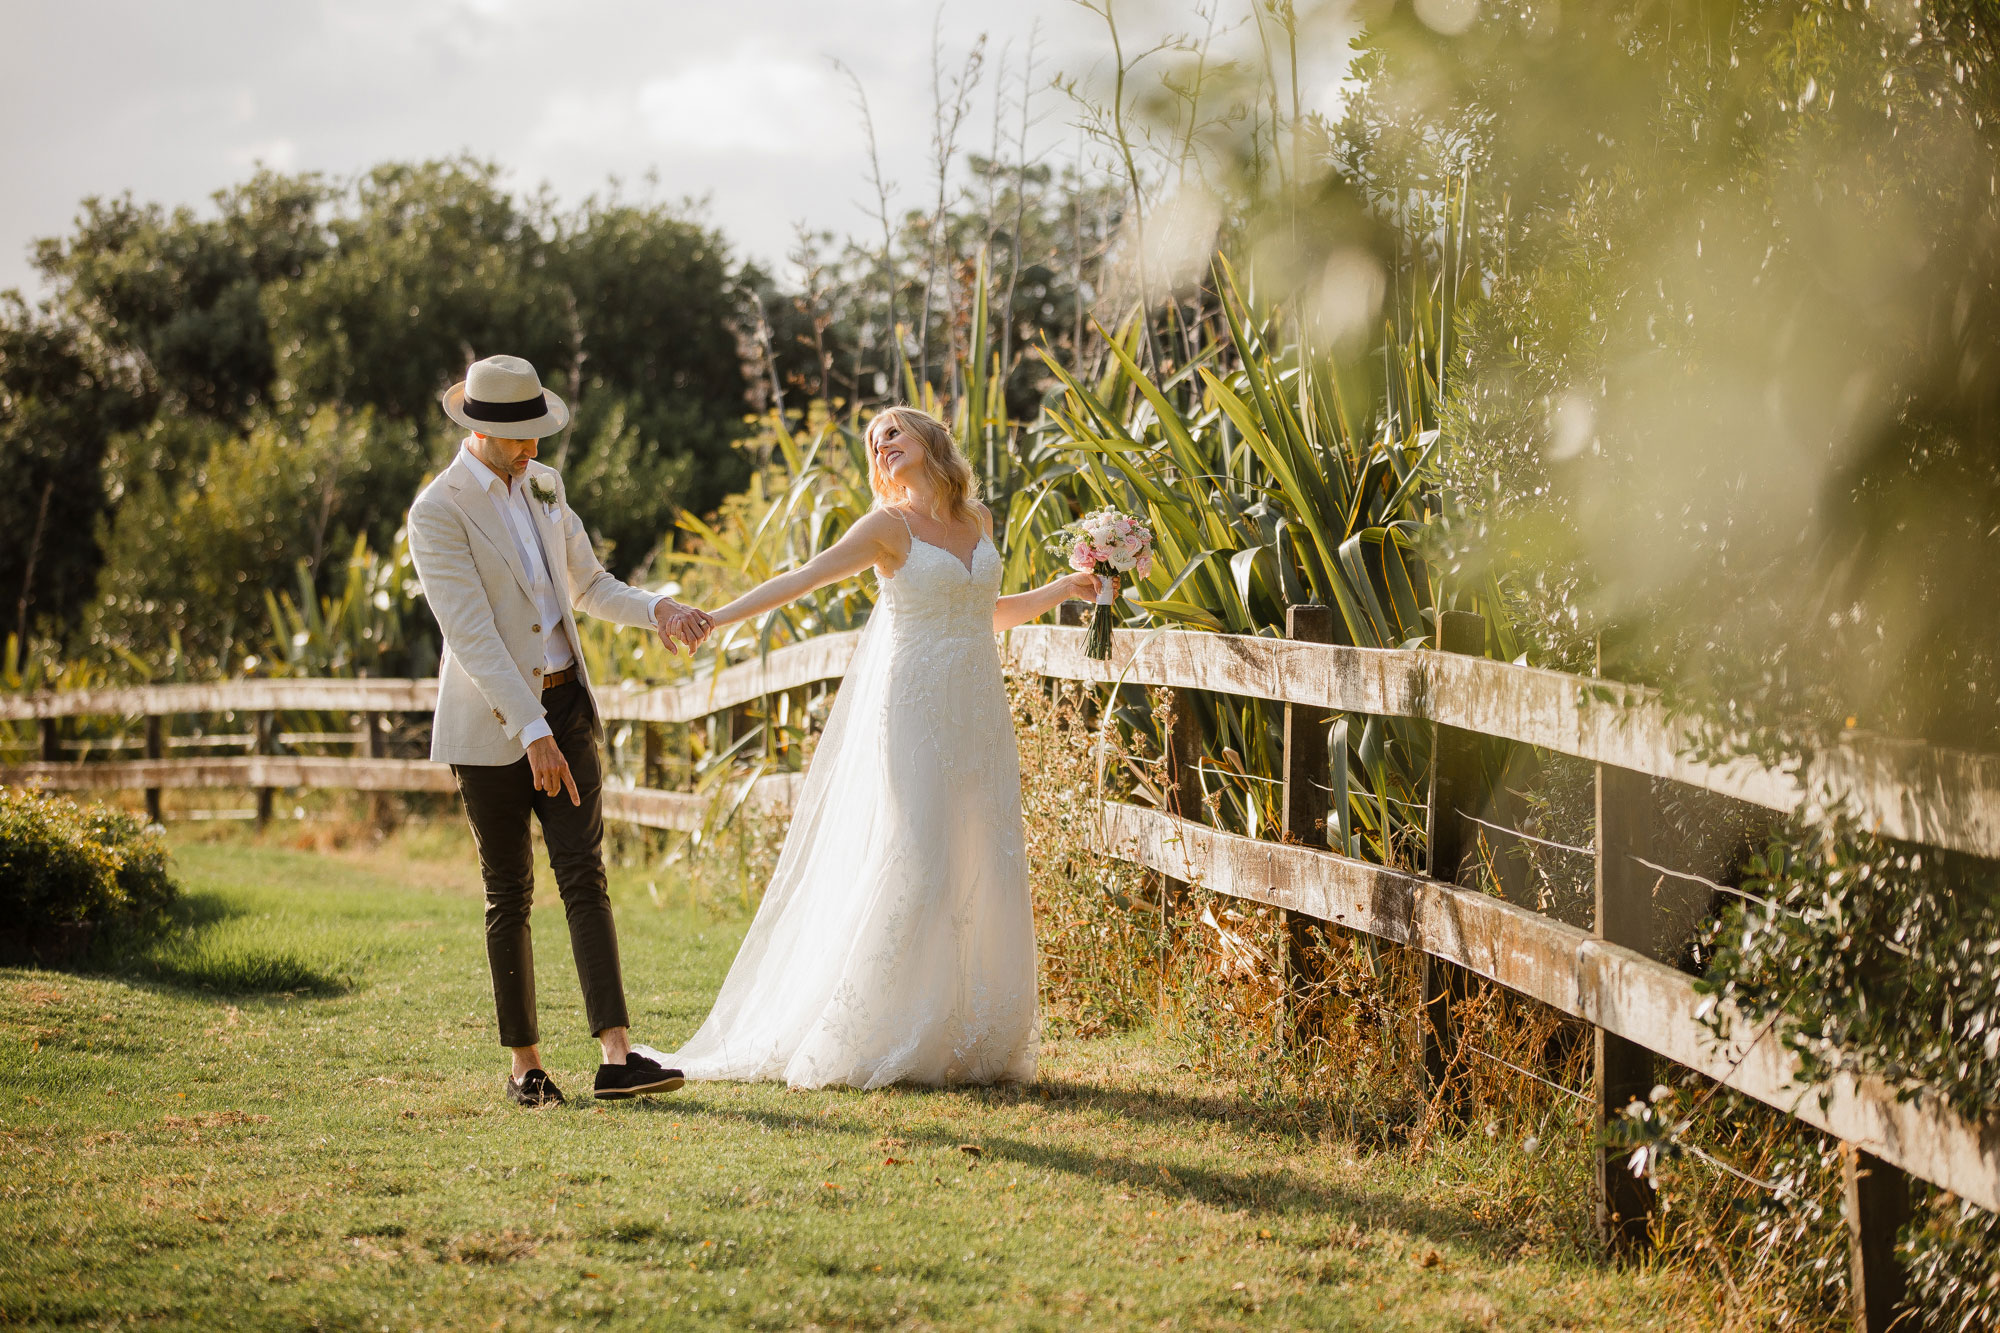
296 1120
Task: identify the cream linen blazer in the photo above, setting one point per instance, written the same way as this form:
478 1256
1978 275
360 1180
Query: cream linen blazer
489 678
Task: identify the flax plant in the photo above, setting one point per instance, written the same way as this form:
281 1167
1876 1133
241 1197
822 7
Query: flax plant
1271 477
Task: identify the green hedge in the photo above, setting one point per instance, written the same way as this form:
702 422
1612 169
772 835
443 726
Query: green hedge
63 864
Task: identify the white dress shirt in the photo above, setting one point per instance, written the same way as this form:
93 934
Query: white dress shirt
512 500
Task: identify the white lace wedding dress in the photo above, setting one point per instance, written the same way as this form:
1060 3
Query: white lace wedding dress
895 942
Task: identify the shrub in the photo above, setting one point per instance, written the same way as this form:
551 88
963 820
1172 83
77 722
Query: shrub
64 864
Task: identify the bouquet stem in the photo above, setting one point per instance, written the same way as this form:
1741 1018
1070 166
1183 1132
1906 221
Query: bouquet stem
1097 643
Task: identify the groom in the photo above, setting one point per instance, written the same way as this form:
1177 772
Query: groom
503 559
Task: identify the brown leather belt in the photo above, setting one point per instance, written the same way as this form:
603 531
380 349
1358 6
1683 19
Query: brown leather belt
551 679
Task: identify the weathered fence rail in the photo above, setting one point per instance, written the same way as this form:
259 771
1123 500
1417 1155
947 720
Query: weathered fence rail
1945 798
1607 985
1923 794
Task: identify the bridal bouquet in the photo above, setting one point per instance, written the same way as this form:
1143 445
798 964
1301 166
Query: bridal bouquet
1105 543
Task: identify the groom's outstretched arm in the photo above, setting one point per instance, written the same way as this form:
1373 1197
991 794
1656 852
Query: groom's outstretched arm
442 553
593 589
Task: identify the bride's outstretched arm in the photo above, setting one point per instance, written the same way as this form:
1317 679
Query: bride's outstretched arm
1021 607
865 544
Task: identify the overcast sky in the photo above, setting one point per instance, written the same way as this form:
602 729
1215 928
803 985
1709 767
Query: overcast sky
736 100
733 100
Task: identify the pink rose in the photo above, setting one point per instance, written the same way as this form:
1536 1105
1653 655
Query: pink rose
1082 558
1144 567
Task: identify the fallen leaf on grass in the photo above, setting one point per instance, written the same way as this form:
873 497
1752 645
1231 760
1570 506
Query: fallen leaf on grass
1430 1259
971 1149
895 1161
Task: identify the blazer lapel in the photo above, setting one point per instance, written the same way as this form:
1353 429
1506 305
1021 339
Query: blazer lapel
555 556
555 559
477 504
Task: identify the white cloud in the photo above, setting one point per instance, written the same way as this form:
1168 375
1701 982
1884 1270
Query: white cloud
735 101
748 102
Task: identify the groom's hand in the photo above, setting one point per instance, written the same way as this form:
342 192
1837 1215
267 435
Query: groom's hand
552 773
680 624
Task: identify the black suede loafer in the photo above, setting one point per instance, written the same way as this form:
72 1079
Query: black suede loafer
637 1077
535 1088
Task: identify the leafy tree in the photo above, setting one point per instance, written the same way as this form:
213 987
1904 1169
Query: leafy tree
195 557
61 400
654 304
434 266
660 396
181 293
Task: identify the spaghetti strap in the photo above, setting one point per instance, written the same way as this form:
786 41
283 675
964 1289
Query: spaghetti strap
909 550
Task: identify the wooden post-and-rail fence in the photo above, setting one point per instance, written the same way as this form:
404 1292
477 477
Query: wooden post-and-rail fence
1643 1010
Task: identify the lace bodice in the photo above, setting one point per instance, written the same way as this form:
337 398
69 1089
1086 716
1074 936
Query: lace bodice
935 594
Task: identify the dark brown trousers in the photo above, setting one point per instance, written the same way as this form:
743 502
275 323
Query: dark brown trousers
498 801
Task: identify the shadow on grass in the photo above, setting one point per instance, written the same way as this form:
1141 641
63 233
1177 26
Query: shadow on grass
1274 1191
198 951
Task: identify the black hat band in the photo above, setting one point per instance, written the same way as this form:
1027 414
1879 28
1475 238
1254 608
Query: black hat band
525 410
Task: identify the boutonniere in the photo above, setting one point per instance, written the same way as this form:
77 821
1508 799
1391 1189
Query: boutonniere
545 493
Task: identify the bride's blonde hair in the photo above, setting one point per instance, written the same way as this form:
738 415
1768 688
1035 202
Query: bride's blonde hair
950 474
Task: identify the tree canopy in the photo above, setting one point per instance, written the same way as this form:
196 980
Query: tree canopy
206 396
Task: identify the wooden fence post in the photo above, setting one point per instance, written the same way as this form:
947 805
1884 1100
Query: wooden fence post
155 749
267 743
1877 1199
1457 788
378 802
1624 1069
1183 789
1304 821
51 742
653 767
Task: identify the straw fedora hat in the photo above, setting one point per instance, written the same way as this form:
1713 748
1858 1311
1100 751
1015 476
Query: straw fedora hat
503 397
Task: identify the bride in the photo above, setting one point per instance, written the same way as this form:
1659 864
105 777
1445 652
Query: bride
895 941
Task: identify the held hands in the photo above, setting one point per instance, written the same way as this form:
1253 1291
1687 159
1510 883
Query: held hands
551 770
681 626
